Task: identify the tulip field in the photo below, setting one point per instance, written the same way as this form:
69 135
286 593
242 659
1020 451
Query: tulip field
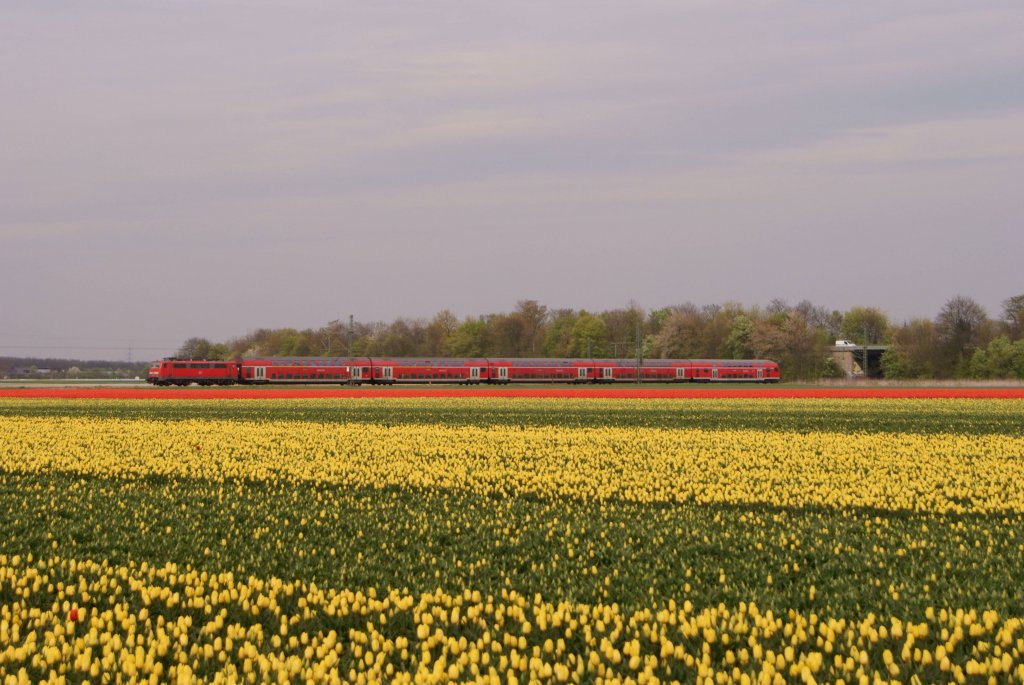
512 539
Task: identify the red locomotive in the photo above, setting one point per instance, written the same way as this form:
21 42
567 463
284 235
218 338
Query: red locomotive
187 371
468 371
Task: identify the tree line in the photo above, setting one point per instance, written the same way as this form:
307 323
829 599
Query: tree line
29 367
961 341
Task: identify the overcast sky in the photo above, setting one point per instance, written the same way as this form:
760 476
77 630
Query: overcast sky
176 169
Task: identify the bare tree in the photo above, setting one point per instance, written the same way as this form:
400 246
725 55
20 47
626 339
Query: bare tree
821 318
959 328
1013 316
534 316
777 306
195 348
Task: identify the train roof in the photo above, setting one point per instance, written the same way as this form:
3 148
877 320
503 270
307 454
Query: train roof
460 361
731 362
427 361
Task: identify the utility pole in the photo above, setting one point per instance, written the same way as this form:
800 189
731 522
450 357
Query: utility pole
350 328
865 350
639 355
328 336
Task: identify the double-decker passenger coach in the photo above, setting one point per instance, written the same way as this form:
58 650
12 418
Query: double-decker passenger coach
466 371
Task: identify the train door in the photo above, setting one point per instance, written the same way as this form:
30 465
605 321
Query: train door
680 373
760 372
357 374
502 374
606 374
581 373
259 374
474 374
714 373
387 374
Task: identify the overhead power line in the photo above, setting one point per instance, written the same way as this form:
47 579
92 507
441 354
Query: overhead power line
82 347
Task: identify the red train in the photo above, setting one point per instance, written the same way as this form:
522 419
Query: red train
419 370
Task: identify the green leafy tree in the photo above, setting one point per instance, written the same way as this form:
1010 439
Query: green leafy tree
656 320
589 332
894 364
220 351
558 339
999 358
718 329
1017 358
402 338
978 367
737 345
865 326
831 369
467 340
